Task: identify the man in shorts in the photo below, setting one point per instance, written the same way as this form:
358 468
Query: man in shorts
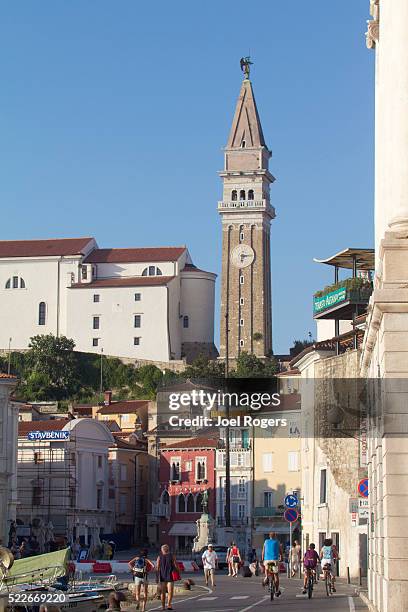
271 555
210 562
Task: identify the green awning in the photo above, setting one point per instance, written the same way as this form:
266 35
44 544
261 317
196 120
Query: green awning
39 568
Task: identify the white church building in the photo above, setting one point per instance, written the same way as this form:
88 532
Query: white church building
140 303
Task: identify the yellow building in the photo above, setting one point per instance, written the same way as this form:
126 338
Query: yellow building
277 469
130 415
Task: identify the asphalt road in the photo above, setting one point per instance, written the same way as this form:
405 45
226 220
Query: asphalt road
247 594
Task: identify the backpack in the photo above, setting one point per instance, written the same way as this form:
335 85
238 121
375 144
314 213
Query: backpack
310 560
139 568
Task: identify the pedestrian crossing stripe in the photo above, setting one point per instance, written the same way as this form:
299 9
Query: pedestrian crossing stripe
240 597
207 598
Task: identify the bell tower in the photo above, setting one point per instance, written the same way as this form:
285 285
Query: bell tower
246 214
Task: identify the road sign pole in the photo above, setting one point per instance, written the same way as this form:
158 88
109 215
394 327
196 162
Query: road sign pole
290 550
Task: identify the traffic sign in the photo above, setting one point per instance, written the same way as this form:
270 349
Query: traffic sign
291 501
363 487
363 509
291 515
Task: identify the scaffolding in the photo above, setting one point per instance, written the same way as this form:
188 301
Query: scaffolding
47 485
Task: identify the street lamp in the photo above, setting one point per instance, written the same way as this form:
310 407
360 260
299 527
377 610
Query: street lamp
101 382
9 357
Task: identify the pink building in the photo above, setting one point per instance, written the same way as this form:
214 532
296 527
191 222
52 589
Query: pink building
187 469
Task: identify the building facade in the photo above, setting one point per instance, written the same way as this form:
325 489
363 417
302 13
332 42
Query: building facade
8 456
277 471
246 213
187 469
385 349
128 487
144 304
241 476
333 463
63 478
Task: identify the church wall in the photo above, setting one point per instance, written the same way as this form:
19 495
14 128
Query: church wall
116 309
20 307
197 302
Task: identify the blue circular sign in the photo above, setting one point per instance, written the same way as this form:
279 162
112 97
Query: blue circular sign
291 501
291 515
363 487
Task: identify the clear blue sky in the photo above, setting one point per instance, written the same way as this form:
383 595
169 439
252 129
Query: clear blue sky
113 116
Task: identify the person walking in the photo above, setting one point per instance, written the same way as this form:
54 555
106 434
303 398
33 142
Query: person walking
210 563
229 559
165 566
294 559
140 567
236 559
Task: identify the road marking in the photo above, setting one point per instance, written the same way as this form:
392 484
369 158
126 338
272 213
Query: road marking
183 600
240 597
207 599
351 604
255 604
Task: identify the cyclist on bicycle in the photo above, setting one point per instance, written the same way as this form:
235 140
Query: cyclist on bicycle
329 556
310 561
271 555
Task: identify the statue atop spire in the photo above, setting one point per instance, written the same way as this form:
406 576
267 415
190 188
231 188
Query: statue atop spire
245 63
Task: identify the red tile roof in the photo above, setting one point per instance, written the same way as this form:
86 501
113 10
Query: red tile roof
193 268
43 248
123 407
148 254
130 281
195 443
24 427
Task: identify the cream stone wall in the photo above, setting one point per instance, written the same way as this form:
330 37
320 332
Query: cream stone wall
385 350
8 457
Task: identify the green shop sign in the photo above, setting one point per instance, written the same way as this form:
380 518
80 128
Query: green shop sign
329 300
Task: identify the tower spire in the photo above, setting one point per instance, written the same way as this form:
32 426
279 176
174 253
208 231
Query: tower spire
246 130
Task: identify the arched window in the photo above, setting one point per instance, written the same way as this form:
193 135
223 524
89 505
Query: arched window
152 271
165 497
181 503
242 194
15 282
234 195
199 503
243 144
185 321
190 503
41 313
251 194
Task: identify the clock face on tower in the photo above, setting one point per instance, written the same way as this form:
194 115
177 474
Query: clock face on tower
242 256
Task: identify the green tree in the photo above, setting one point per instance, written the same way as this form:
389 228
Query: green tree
250 366
203 367
299 346
51 368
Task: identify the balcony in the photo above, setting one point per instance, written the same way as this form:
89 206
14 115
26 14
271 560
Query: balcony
235 521
238 205
267 512
342 300
161 510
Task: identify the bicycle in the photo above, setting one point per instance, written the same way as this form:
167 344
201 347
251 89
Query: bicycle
270 580
310 582
328 579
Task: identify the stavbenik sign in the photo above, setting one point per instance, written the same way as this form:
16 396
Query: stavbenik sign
48 435
329 300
